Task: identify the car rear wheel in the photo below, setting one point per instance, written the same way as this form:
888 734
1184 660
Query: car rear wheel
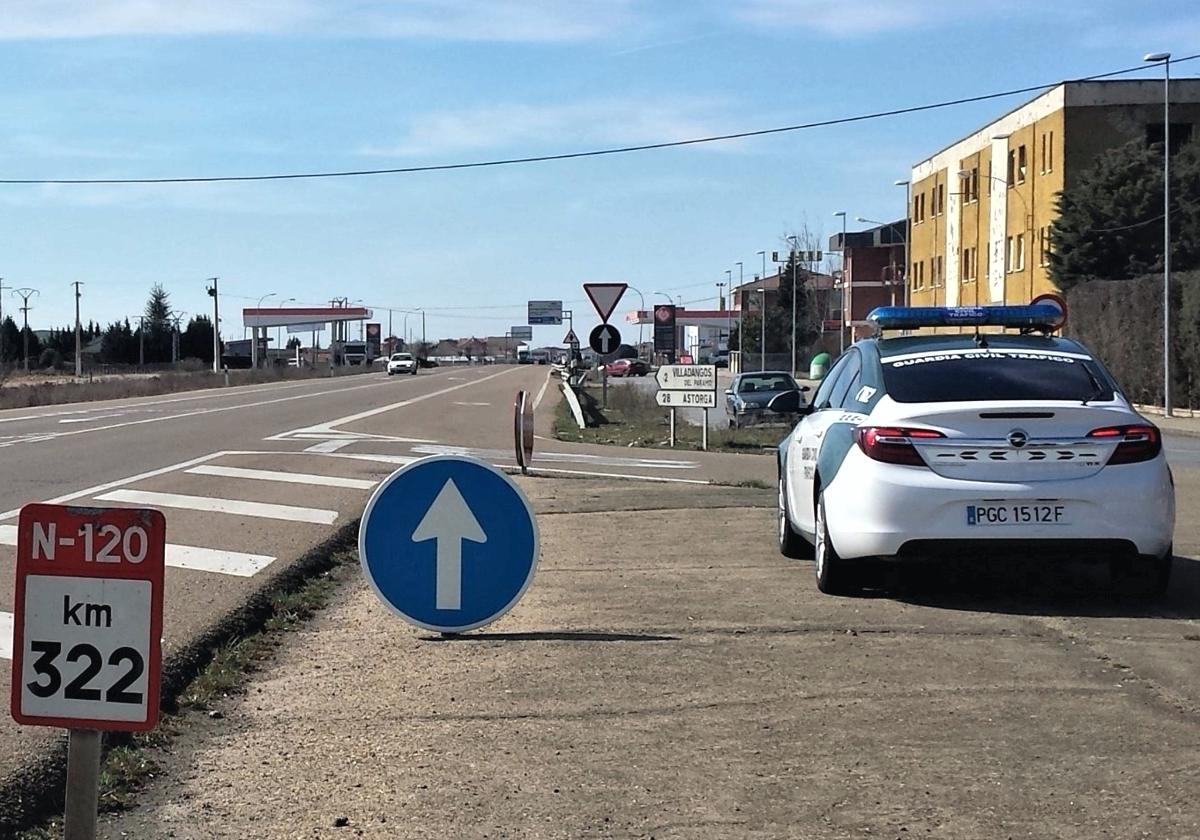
1145 577
834 576
791 544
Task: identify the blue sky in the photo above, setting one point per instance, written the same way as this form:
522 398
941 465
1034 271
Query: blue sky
151 88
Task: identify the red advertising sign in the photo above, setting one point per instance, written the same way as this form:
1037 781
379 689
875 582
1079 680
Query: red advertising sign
88 624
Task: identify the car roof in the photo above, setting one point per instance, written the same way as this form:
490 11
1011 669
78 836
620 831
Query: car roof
764 373
966 341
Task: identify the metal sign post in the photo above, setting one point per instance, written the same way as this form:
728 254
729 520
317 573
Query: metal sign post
672 428
87 633
704 432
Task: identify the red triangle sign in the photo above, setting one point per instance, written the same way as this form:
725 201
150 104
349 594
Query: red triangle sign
604 297
570 337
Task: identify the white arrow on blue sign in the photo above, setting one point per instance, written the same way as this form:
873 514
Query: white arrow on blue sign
449 543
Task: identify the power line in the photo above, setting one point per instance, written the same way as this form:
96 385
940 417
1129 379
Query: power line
620 150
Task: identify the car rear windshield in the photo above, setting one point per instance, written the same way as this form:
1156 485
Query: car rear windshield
994 374
402 357
768 382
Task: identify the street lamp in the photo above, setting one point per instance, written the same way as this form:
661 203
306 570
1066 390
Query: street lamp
1165 59
847 300
279 330
641 310
741 306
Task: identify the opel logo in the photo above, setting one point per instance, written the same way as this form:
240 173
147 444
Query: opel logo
1018 438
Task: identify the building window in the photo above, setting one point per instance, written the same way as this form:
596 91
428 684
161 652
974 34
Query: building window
1009 254
1044 246
1050 153
973 185
918 208
969 265
1022 164
1181 134
1016 253
1012 168
941 199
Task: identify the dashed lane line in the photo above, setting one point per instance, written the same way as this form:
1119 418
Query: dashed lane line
6 635
329 446
195 558
235 507
285 477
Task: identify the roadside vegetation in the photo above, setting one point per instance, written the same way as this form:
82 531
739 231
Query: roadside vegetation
633 418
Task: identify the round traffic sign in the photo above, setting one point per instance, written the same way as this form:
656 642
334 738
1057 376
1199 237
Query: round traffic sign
604 339
448 543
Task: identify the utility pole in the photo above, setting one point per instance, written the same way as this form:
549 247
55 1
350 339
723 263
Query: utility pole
2 288
141 341
25 295
78 333
212 291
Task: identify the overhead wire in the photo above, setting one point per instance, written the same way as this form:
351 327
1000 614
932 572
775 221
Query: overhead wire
618 150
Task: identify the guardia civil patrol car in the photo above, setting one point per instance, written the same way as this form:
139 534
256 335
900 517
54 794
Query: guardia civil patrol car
1014 443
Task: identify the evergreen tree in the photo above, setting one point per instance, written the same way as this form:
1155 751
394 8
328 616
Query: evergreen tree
10 341
1110 221
196 342
157 325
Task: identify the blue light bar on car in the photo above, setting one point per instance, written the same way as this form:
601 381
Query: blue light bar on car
1042 316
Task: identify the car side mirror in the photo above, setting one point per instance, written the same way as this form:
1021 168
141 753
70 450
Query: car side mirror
729 392
789 402
805 388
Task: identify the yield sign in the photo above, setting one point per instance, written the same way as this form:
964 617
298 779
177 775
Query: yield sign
604 297
570 338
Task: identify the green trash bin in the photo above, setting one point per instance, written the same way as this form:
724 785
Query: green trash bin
819 366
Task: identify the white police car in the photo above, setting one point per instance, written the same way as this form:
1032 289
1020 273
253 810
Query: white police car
961 444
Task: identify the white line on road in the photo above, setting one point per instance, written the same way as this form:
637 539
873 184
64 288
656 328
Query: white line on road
236 507
541 393
236 563
329 446
472 403
6 635
92 417
100 488
285 477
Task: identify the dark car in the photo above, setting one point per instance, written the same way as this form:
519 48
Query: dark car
627 367
748 395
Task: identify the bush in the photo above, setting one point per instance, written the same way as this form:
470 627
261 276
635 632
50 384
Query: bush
1121 322
50 358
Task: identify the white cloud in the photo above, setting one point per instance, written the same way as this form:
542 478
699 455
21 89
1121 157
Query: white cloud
456 20
553 128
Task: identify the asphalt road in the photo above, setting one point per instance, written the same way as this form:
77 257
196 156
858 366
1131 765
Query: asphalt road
250 478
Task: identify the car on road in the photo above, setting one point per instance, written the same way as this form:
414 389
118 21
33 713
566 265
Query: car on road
965 445
401 363
747 397
627 367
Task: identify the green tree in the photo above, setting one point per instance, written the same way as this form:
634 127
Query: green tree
10 341
196 342
1109 225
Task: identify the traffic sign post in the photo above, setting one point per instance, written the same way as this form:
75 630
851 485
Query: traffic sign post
604 297
448 543
545 312
87 633
604 339
523 430
687 386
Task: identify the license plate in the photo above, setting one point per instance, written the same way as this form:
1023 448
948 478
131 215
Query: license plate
1023 513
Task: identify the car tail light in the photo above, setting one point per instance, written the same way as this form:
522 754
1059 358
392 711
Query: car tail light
1134 443
893 445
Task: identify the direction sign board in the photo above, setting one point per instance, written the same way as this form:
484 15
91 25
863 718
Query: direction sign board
521 333
686 399
687 377
88 619
604 339
545 312
448 543
604 297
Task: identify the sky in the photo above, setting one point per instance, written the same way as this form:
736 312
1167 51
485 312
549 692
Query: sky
170 88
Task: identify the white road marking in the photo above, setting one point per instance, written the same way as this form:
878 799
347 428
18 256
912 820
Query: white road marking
196 413
329 446
541 393
472 403
235 507
92 417
285 477
100 488
383 409
399 460
562 457
199 559
6 635
656 478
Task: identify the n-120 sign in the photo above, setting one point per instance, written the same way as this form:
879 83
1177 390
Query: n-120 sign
686 399
88 623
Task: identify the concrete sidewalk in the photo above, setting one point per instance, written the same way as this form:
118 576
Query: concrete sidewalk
670 675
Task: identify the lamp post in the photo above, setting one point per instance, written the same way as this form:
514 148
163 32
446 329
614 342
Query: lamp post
762 356
2 288
793 256
1165 59
254 332
25 295
847 298
641 309
279 330
741 306
907 231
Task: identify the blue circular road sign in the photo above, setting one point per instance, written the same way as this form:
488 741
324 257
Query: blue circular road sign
448 543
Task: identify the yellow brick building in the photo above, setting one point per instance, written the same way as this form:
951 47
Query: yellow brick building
980 210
